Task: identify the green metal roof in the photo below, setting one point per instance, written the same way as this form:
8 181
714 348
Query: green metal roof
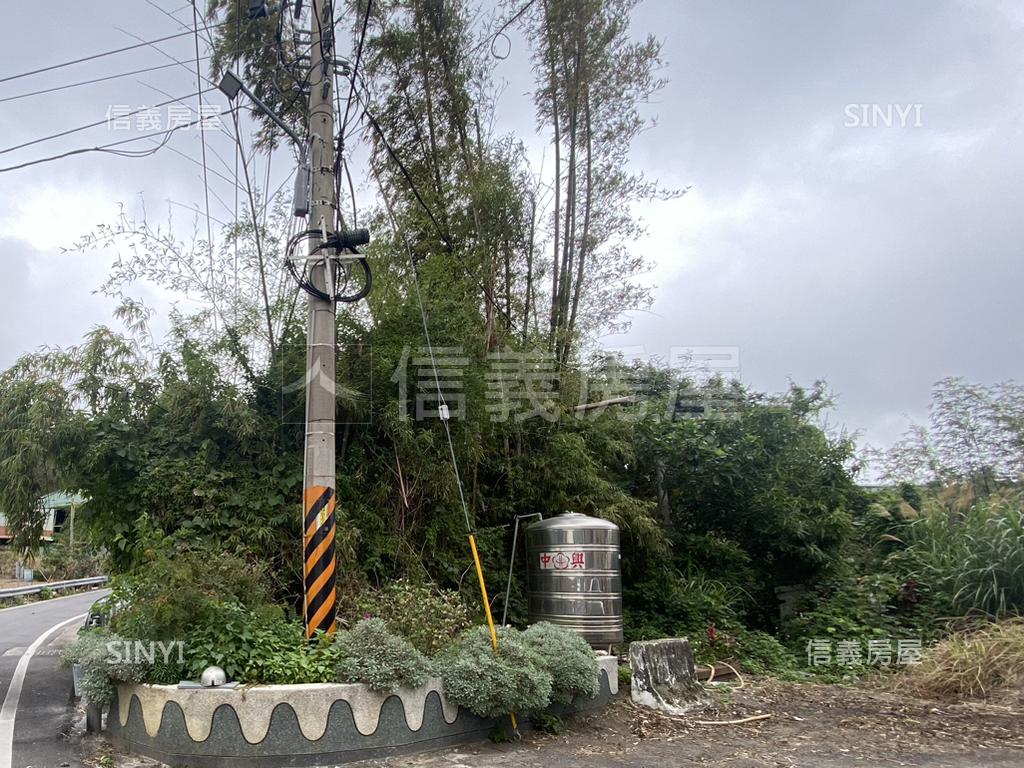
62 500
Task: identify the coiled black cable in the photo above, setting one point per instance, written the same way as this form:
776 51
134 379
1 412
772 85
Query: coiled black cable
333 240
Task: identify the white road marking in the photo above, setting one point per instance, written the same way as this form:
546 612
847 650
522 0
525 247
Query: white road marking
10 707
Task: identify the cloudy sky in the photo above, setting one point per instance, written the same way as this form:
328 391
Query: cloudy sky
856 210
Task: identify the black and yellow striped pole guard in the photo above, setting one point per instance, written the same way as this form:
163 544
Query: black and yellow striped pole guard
320 594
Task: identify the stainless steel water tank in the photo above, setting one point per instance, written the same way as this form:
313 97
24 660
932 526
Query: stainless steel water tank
574 576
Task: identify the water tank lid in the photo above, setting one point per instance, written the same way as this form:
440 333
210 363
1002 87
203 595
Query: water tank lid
572 520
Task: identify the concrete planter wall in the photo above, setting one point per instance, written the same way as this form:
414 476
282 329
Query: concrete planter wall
266 726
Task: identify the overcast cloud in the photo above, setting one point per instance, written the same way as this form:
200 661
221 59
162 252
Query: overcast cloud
880 258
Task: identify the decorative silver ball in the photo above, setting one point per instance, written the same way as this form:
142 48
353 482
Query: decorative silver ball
212 677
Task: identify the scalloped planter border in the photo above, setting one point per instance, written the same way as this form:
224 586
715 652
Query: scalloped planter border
267 726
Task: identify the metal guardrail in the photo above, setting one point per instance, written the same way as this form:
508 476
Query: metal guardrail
53 587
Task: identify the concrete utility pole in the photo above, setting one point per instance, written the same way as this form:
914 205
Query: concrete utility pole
320 481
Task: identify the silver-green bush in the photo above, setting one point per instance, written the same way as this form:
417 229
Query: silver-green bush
489 684
567 657
369 653
102 668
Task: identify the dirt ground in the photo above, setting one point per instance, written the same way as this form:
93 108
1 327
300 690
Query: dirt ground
811 726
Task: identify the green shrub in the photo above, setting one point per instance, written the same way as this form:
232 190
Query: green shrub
258 647
763 654
546 723
102 668
567 657
428 617
369 653
853 608
181 589
680 604
625 675
751 650
490 684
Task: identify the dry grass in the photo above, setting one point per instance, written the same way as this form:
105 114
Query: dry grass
985 663
8 559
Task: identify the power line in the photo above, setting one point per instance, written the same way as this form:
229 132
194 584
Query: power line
202 139
192 160
98 123
355 68
89 82
249 49
256 230
93 57
408 177
492 38
109 147
193 110
340 149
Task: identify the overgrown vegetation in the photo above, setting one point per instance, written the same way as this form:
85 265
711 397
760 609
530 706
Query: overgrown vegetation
986 662
62 561
189 447
971 561
428 617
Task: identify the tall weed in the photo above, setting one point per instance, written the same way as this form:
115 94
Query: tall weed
971 561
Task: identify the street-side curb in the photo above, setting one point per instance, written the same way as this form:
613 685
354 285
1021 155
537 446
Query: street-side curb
298 725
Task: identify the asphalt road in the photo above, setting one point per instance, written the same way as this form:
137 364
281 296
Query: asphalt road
37 714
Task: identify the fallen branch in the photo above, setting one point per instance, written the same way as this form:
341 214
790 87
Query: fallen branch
741 721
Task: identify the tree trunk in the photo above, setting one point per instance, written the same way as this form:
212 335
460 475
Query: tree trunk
587 202
529 267
553 88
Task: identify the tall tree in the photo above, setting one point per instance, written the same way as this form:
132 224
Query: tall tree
975 435
592 78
